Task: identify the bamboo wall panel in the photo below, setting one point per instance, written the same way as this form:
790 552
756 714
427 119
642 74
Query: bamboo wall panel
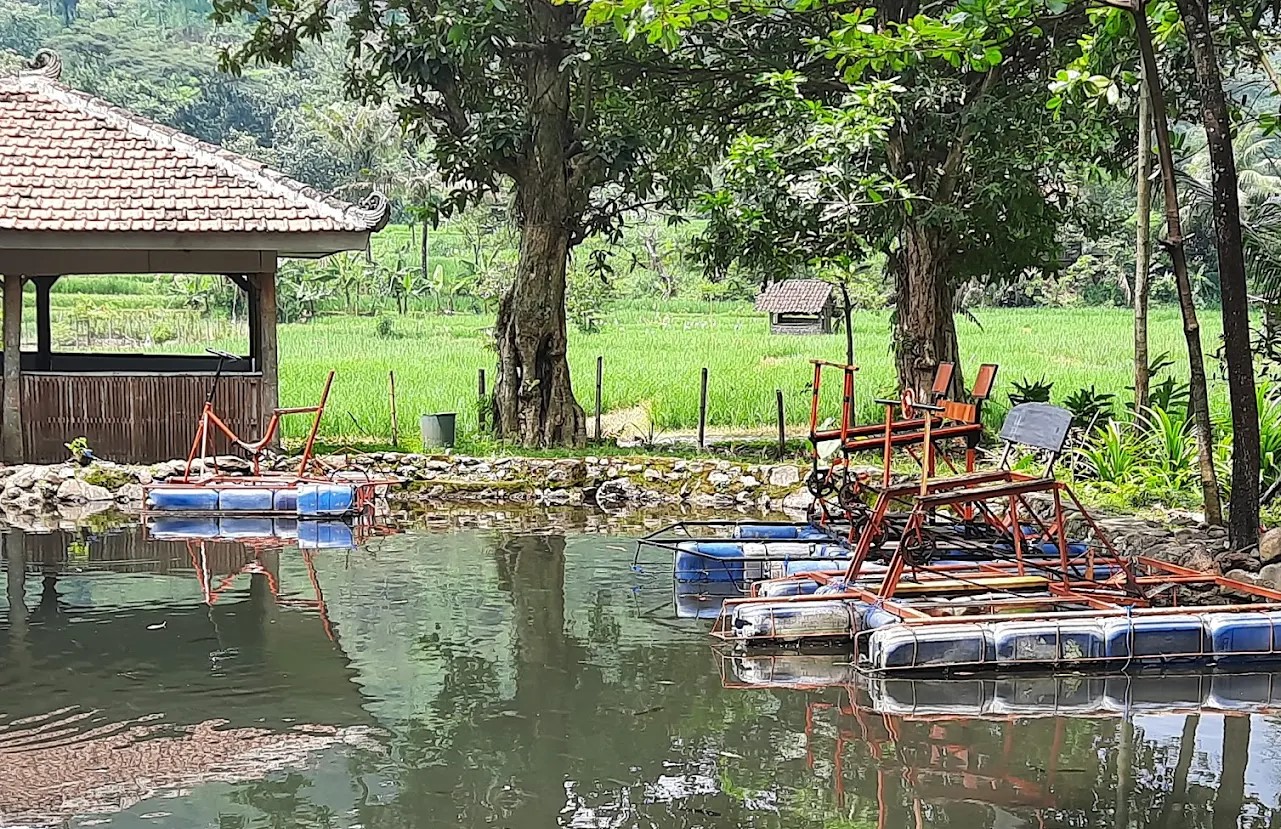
131 418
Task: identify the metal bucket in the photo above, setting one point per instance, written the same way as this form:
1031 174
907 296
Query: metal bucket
438 429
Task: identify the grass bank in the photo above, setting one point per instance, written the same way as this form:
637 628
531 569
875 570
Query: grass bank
653 357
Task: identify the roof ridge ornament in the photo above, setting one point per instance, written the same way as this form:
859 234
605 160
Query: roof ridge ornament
373 211
45 64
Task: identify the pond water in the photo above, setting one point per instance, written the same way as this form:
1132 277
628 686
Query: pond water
494 678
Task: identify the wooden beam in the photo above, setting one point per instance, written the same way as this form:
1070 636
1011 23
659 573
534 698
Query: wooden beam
44 327
90 261
286 244
241 281
255 323
11 449
267 358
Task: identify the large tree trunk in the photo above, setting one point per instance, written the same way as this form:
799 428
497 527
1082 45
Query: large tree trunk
924 324
1142 248
1198 398
1243 509
533 400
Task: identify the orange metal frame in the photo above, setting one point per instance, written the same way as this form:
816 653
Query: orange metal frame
210 423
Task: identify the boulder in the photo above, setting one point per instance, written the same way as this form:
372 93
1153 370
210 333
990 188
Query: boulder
1270 575
718 479
784 475
76 491
798 501
130 494
1270 546
749 482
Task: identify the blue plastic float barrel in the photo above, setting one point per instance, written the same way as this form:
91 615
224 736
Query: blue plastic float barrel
316 500
183 527
325 535
245 499
183 499
778 532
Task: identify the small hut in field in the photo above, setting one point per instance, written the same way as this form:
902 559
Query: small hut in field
799 306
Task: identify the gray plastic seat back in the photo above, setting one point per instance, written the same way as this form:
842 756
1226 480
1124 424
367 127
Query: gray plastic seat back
1037 425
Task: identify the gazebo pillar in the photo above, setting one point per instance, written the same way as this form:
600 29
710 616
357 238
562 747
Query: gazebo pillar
263 336
11 448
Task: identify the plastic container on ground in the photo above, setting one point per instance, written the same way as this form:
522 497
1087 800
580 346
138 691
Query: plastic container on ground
319 500
438 429
245 499
183 499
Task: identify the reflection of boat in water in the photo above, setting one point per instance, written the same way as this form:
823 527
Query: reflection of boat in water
1025 750
1023 695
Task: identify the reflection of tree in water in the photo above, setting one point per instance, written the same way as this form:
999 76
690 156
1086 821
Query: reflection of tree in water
283 803
571 731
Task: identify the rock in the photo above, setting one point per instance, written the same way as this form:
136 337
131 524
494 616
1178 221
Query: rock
785 475
557 497
1270 546
130 494
615 492
749 482
76 491
66 472
1270 575
652 474
798 501
25 478
679 466
631 468
1242 575
718 479
611 472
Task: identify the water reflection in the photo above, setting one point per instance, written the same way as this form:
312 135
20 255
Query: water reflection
497 678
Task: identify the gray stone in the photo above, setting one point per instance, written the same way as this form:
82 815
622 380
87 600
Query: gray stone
1270 546
76 491
652 474
611 472
749 482
632 468
798 501
557 497
718 479
1270 575
1243 576
130 494
785 475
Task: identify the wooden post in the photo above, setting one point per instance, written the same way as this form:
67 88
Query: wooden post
480 399
782 425
600 376
44 326
11 429
391 391
268 364
702 411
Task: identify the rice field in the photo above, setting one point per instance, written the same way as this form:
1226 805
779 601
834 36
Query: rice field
653 357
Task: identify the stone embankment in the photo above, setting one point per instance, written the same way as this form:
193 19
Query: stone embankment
69 493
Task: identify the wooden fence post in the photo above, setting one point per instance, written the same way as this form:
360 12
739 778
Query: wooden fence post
480 397
702 411
782 425
395 426
600 376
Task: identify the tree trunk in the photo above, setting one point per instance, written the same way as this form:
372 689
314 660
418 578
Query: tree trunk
1230 797
533 400
924 322
1142 249
1243 508
1198 398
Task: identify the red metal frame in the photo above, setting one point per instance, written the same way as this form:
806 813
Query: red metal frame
210 423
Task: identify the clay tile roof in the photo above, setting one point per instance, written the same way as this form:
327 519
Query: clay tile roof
73 162
795 296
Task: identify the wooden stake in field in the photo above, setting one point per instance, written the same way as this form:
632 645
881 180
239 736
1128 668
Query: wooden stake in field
782 425
702 411
391 394
600 376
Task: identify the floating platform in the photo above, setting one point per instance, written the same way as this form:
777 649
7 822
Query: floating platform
306 534
295 498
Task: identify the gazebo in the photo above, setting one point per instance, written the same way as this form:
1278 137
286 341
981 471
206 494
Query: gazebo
798 306
89 188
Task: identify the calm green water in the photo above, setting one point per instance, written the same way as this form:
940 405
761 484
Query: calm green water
484 679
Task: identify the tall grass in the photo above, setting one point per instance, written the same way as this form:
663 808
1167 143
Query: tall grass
653 359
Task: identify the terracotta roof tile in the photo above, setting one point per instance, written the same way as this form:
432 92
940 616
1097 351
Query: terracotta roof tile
72 162
795 296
